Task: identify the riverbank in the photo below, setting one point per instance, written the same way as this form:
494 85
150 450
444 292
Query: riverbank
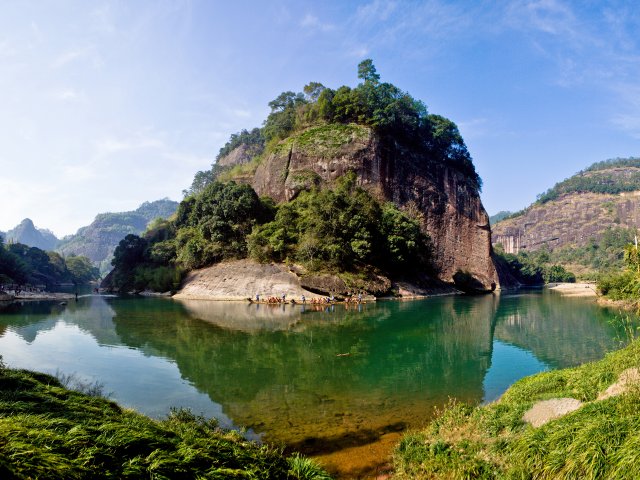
586 421
11 295
574 289
48 431
239 280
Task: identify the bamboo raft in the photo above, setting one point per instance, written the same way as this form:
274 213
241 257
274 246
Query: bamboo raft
306 303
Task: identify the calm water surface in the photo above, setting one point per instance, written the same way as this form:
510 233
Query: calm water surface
338 383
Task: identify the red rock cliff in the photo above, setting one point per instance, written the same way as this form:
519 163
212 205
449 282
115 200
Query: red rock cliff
451 211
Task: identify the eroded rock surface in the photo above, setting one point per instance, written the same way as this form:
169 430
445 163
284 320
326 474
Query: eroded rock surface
449 207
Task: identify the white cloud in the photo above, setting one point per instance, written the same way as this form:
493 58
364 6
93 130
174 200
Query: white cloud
376 11
312 22
69 95
359 52
549 16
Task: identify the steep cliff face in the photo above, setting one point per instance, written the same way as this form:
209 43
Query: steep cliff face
577 210
238 156
572 219
449 208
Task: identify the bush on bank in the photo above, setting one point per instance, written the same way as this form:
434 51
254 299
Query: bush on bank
599 440
48 431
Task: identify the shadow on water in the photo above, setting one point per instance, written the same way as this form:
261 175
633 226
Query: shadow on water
325 445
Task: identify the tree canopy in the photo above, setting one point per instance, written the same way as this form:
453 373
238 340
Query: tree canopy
22 264
341 229
393 112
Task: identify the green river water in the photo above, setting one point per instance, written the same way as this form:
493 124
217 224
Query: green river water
340 384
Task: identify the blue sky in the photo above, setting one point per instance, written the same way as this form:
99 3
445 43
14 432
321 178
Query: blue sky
105 105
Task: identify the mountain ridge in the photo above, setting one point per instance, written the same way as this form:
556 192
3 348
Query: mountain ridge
580 218
27 233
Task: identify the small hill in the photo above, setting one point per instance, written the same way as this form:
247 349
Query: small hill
498 217
583 220
27 234
361 182
98 240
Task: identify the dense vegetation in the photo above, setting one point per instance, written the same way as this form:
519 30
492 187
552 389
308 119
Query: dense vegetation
599 256
390 111
21 264
339 230
599 178
599 440
625 284
207 228
533 268
48 431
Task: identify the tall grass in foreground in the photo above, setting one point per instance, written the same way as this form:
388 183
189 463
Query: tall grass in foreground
601 440
48 431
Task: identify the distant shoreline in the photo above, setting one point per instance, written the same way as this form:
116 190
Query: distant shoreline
574 289
8 297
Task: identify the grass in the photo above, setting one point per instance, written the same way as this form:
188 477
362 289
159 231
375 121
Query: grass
244 170
601 440
49 431
324 141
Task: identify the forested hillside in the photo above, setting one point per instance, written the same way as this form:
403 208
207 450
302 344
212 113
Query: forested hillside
583 222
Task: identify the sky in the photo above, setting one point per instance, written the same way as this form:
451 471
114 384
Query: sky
107 104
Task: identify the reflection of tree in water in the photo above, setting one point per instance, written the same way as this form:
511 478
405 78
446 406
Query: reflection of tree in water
28 319
560 333
397 360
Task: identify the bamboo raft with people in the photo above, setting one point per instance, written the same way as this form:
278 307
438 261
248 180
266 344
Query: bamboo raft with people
322 301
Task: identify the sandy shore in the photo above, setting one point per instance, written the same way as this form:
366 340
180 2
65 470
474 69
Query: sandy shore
574 289
10 295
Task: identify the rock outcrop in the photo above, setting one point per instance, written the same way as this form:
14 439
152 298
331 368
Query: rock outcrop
238 156
573 219
27 234
440 195
239 280
99 240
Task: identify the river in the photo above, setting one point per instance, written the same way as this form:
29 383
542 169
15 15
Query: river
338 383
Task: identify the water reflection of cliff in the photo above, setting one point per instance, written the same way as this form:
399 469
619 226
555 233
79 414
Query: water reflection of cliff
560 332
300 376
324 373
243 316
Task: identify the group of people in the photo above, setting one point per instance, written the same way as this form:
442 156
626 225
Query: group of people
273 300
314 300
18 289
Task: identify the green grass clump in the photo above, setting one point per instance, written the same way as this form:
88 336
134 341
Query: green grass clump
601 440
243 170
48 431
324 141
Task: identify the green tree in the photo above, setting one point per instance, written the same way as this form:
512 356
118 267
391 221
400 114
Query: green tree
81 269
367 71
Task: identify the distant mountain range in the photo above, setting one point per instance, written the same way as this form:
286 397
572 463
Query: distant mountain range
27 234
585 220
98 240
